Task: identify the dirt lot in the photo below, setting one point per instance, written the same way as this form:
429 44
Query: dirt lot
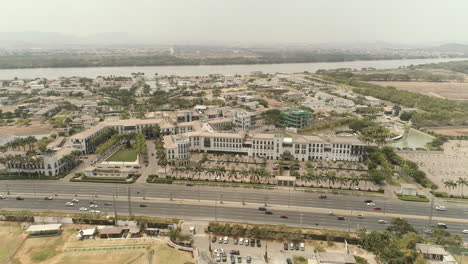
456 131
34 128
449 90
66 249
11 238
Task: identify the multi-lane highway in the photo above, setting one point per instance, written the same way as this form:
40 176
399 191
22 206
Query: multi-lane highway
238 204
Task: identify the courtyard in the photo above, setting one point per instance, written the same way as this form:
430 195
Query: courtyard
124 155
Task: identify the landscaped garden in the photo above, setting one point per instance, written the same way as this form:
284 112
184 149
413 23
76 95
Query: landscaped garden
124 155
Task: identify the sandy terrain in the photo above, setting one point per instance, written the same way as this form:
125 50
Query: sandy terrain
449 90
34 128
11 238
451 131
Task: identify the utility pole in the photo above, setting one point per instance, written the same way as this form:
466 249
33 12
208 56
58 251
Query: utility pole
429 221
129 202
221 198
144 195
289 197
216 204
198 186
266 200
115 209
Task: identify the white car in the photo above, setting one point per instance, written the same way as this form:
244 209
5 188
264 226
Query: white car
381 221
441 208
241 241
226 240
83 209
2 197
95 212
75 201
69 204
371 204
93 206
465 231
246 242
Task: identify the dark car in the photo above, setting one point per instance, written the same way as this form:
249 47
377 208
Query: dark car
19 198
296 246
188 184
108 203
259 244
323 196
248 259
285 246
296 167
91 202
143 205
341 217
368 201
268 212
213 240
235 252
48 198
252 242
283 216
262 209
289 261
233 259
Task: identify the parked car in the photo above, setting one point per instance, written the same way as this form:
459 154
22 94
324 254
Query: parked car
220 240
323 196
302 246
239 259
213 239
226 240
246 242
241 241
284 216
259 244
377 208
19 198
48 198
285 246
268 212
236 242
252 242
235 252
296 246
233 259
291 246
289 261
248 259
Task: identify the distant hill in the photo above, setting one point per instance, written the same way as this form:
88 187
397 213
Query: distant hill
452 47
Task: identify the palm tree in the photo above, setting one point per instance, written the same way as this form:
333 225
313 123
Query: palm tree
232 173
244 173
450 184
462 182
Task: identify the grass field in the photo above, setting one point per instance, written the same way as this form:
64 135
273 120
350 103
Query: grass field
66 249
124 154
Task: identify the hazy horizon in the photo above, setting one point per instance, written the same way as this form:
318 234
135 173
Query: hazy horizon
417 22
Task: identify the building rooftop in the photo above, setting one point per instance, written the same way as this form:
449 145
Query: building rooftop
431 249
44 228
336 258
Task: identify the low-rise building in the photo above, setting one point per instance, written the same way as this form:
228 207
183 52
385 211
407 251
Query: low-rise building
435 254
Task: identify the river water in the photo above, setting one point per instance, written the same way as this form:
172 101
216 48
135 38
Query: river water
203 70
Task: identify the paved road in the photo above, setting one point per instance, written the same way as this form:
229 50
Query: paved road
185 198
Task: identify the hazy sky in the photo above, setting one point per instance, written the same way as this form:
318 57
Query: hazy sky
246 21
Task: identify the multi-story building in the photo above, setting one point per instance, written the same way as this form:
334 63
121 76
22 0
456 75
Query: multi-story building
245 120
297 118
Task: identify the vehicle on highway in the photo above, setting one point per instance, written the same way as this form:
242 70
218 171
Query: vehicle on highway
268 212
83 209
241 241
143 205
262 209
108 203
213 240
248 259
2 197
302 246
340 217
69 204
465 231
95 211
236 242
381 221
441 208
284 216
368 201
442 225
226 240
360 216
331 213
189 184
370 204
246 242
93 206
323 196
19 198
289 261
377 208
75 201
48 198
285 246
91 202
259 244
235 252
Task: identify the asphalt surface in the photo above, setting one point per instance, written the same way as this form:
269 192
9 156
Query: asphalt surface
302 208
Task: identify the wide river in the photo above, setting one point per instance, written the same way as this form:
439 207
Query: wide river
202 70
